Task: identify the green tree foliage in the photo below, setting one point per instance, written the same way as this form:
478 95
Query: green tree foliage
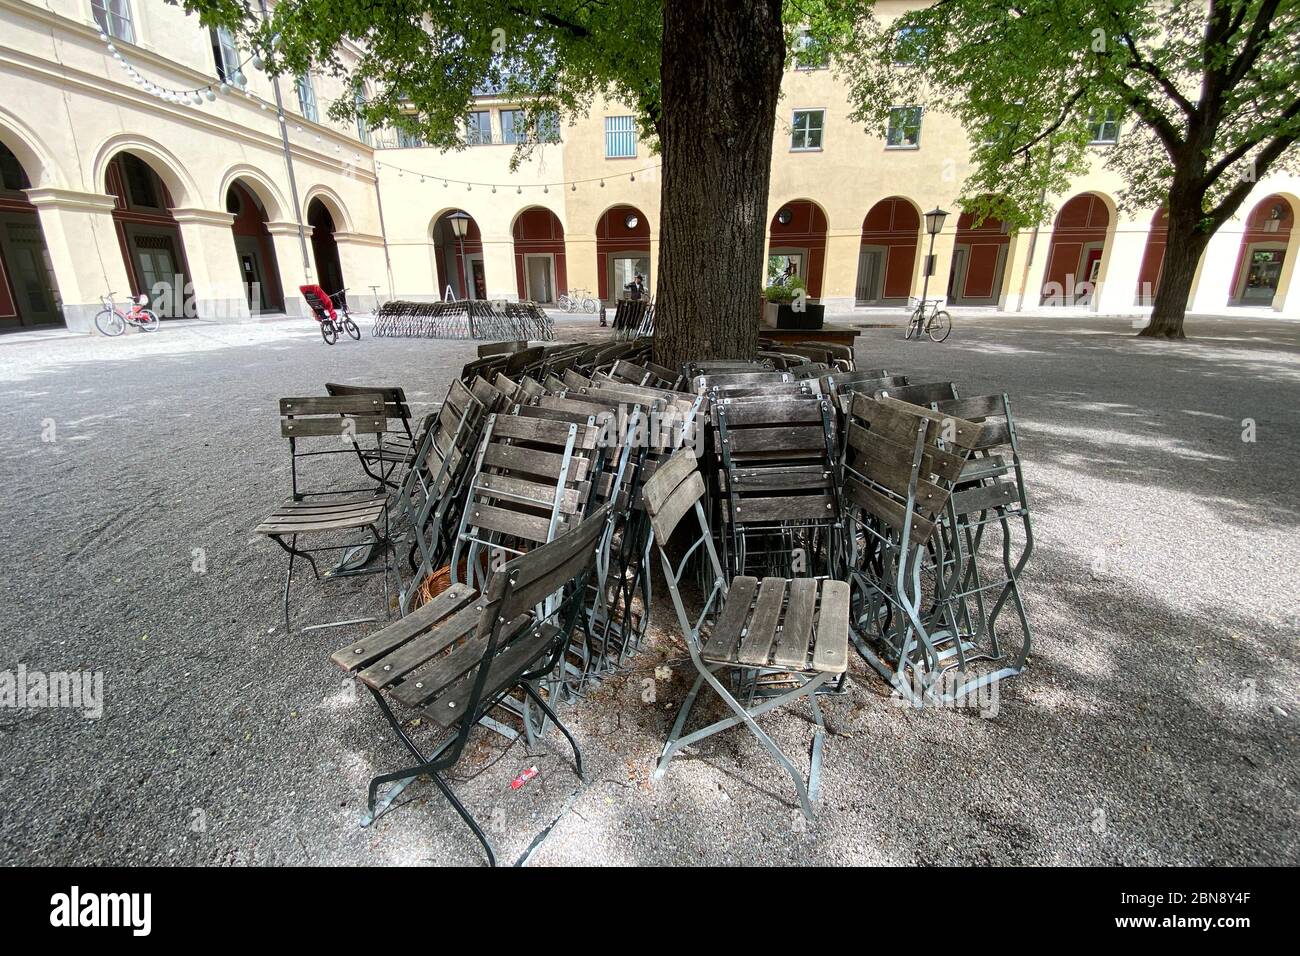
1207 95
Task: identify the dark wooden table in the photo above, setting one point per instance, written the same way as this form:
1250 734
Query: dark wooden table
836 333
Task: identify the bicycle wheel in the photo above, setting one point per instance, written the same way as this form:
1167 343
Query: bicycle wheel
913 324
109 322
351 328
590 306
565 303
148 320
939 327
328 332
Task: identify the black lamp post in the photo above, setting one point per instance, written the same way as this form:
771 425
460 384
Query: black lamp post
933 225
459 226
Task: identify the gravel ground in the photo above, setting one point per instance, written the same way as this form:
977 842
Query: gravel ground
1156 725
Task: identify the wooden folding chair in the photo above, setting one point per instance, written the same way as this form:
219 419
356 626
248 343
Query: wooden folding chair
456 658
795 631
322 509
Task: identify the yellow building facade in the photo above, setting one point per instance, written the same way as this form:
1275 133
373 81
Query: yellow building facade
128 168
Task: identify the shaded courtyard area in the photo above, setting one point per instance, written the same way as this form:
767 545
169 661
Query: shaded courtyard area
1156 723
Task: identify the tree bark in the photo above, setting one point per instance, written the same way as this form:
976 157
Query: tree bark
720 76
1184 246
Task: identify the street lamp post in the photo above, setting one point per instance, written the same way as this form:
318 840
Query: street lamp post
459 226
933 225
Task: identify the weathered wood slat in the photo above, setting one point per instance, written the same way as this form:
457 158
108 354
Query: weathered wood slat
794 440
664 519
791 648
393 666
527 492
530 461
665 476
507 521
994 434
788 508
788 411
831 652
329 425
427 681
722 642
450 705
369 649
891 512
949 428
975 407
756 641
370 403
1000 494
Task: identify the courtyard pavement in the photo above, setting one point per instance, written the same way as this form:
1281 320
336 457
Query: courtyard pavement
1157 723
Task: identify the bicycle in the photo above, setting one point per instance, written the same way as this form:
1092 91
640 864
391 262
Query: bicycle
331 312
113 321
928 319
578 300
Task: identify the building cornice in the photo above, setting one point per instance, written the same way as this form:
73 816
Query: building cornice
56 198
206 217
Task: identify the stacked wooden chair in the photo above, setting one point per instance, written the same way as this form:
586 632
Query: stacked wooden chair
456 658
793 630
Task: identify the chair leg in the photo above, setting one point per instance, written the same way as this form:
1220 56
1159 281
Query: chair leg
577 754
288 579
670 745
466 816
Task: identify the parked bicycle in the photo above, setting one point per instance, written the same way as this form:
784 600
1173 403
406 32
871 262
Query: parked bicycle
578 300
928 319
331 311
113 321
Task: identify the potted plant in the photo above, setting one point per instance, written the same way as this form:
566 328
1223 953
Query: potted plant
787 306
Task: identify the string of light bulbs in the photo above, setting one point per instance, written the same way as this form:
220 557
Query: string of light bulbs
235 83
447 181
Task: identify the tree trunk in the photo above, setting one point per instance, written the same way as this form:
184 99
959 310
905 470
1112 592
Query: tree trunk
1183 250
721 75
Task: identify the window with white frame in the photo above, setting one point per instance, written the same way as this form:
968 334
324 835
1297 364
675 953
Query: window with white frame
806 130
224 53
478 128
514 127
114 18
1103 127
620 137
307 98
807 56
904 131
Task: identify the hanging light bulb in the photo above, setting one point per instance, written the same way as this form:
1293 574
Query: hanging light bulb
225 87
421 179
103 37
546 189
573 188
519 190
444 184
112 49
632 178
494 189
602 184
297 127
469 187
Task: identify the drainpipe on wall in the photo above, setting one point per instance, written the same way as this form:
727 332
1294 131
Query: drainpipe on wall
308 271
383 234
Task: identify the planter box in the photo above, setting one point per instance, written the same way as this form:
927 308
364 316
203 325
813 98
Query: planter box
811 316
